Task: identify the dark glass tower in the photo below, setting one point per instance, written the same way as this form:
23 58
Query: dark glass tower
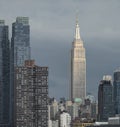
117 91
20 51
4 75
105 99
20 42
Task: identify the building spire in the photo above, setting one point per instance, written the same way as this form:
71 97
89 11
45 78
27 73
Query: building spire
77 30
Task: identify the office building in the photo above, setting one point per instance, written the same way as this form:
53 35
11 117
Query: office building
4 75
20 41
114 120
53 110
116 85
73 109
92 106
78 67
105 99
20 51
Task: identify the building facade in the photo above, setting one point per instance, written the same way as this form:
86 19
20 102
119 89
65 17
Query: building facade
103 125
105 99
116 85
81 124
4 75
20 41
31 95
78 67
114 120
53 110
20 51
65 119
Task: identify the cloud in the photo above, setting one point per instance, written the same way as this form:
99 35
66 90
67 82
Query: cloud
52 31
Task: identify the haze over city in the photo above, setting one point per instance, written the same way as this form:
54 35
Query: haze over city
52 25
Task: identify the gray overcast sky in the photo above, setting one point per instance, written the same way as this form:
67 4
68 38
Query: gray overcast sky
52 31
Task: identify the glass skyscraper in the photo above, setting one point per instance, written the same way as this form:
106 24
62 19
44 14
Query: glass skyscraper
20 51
20 42
4 75
117 91
105 99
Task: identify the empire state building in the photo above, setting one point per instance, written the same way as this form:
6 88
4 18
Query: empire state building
78 67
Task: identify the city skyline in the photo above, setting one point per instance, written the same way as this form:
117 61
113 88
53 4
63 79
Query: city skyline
52 31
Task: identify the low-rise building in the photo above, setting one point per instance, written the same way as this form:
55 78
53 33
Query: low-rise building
81 123
65 119
114 120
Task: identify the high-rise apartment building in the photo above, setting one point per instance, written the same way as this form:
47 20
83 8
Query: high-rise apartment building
20 42
105 99
4 75
78 67
31 95
116 85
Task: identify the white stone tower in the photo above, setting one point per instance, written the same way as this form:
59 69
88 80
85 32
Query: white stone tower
78 66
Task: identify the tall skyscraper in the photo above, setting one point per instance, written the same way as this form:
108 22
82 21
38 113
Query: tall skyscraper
105 99
4 75
20 42
20 51
117 91
31 95
78 67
